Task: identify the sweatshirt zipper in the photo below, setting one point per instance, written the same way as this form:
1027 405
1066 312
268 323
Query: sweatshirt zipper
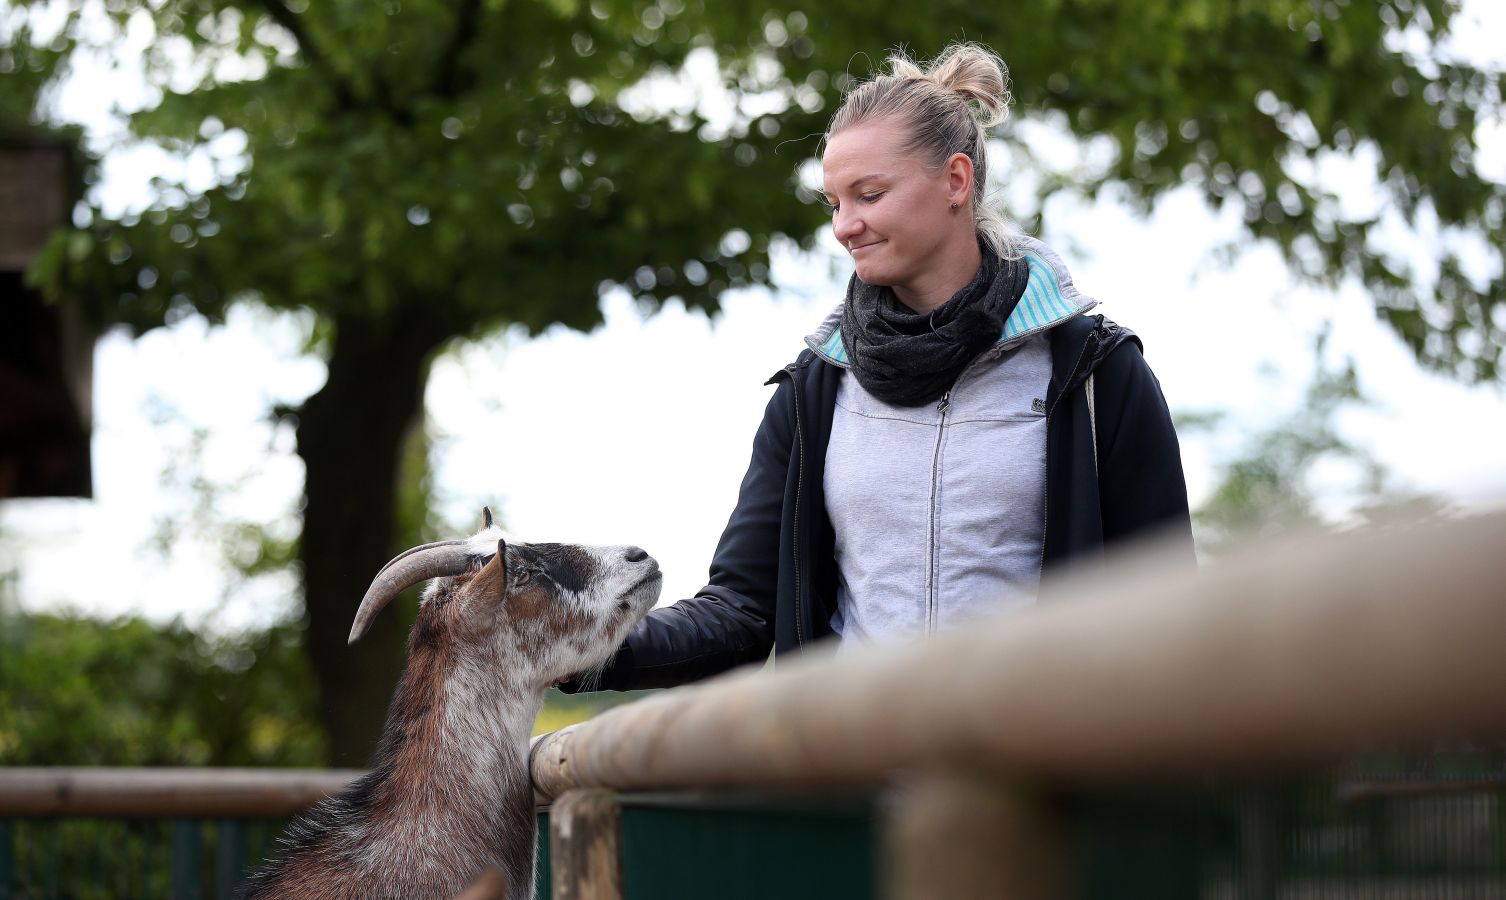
933 563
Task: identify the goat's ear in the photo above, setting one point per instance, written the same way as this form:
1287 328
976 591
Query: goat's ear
492 579
486 517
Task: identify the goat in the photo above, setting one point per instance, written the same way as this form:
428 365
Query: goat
449 795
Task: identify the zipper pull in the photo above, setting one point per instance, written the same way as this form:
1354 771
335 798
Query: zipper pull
946 400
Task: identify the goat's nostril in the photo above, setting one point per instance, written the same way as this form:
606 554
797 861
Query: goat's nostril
636 554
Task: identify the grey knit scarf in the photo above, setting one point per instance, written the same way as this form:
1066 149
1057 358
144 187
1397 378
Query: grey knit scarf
910 359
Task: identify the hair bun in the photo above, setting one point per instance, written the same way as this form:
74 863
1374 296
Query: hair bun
969 69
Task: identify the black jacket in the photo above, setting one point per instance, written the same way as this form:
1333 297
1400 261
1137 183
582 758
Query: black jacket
773 578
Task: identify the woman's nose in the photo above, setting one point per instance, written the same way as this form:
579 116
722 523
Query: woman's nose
846 226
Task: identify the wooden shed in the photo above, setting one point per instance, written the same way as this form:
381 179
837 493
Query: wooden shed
46 350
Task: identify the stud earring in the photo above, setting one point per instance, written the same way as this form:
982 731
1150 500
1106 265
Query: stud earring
954 206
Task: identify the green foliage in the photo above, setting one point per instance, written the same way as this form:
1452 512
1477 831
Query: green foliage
26 67
79 691
424 157
475 156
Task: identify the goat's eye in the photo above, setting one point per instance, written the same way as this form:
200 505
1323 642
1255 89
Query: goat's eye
522 575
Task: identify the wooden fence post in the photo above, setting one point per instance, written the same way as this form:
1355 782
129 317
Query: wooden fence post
585 846
955 837
491 885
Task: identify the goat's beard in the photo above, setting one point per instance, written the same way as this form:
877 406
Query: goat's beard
587 680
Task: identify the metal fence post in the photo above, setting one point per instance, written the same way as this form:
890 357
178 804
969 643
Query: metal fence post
186 861
7 860
229 857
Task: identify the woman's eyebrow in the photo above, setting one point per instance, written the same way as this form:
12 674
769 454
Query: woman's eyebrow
852 185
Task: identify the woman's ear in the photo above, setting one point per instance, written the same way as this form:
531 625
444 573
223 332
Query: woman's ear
959 179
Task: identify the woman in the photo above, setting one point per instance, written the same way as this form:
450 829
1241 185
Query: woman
955 429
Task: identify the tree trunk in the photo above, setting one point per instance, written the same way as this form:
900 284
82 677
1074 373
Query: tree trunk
350 436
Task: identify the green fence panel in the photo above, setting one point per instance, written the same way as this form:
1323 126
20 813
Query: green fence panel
1314 836
740 847
1148 845
1289 840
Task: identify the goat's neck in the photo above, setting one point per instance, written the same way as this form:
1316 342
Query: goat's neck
455 764
465 724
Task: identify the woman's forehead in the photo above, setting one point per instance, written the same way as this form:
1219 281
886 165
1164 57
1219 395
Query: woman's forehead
862 152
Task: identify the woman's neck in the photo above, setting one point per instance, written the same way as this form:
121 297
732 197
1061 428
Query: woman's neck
952 270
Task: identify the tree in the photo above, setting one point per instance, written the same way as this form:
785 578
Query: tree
1265 488
418 171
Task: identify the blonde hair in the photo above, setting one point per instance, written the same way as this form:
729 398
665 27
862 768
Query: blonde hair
946 107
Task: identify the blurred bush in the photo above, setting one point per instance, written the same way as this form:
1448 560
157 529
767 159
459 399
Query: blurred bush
77 691
80 691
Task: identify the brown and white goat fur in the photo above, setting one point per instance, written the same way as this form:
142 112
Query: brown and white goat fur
449 795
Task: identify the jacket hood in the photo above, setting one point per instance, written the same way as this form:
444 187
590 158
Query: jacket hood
1050 298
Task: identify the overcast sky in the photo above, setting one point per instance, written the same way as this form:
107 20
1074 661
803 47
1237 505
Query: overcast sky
640 431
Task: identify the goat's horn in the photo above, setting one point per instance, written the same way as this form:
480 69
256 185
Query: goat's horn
419 549
486 517
405 570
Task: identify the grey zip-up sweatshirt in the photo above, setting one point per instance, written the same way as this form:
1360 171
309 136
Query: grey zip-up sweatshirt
773 583
938 509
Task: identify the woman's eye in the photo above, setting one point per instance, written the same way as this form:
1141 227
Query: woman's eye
833 207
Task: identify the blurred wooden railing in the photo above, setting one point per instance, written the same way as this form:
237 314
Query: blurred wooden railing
166 793
145 832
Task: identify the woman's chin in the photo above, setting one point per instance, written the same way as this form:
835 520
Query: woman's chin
872 275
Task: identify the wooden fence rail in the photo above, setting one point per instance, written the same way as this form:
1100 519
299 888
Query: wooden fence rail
1292 652
167 792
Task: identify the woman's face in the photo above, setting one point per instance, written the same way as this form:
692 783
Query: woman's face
891 214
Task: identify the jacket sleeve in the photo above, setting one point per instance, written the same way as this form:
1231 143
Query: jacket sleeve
1142 491
731 620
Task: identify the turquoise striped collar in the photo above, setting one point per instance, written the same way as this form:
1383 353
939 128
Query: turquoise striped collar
1049 299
